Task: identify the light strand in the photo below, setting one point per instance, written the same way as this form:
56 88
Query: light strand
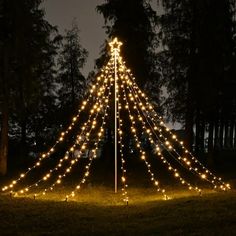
123 163
141 151
86 174
158 152
97 108
222 186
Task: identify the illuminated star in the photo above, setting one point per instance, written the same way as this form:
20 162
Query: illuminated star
115 44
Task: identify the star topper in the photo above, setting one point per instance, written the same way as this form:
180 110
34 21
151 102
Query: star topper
115 45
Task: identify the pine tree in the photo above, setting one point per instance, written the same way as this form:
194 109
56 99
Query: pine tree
197 39
27 51
71 60
134 23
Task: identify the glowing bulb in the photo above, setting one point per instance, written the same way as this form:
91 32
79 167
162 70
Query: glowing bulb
176 174
203 176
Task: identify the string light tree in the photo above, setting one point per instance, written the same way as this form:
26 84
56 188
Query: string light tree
144 121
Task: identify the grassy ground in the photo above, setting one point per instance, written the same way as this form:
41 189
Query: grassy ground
98 211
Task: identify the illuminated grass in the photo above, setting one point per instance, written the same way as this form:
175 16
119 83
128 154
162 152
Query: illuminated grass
98 211
101 195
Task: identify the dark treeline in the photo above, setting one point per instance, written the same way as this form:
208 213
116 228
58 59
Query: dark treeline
186 48
39 79
199 71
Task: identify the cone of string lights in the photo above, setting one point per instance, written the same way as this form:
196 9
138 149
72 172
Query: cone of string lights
116 87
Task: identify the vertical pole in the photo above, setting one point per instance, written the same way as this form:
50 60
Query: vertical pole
115 130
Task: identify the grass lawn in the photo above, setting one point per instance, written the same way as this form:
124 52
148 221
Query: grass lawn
98 211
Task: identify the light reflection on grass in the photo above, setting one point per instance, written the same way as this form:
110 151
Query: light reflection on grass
98 211
105 196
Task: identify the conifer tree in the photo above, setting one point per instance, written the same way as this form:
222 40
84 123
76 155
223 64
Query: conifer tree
26 49
197 38
71 60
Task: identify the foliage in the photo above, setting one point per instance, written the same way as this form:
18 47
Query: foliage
29 45
197 62
134 23
71 60
198 46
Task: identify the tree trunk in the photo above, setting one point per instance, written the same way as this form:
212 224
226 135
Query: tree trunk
198 134
4 140
216 137
234 142
202 136
5 117
226 138
231 134
221 136
72 86
191 105
189 123
23 151
210 143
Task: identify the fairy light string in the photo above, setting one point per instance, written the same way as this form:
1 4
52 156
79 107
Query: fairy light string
148 106
103 78
141 113
139 147
150 130
185 160
187 163
146 130
84 132
100 135
59 140
120 142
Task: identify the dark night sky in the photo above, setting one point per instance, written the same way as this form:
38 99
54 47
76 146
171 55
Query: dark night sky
62 13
